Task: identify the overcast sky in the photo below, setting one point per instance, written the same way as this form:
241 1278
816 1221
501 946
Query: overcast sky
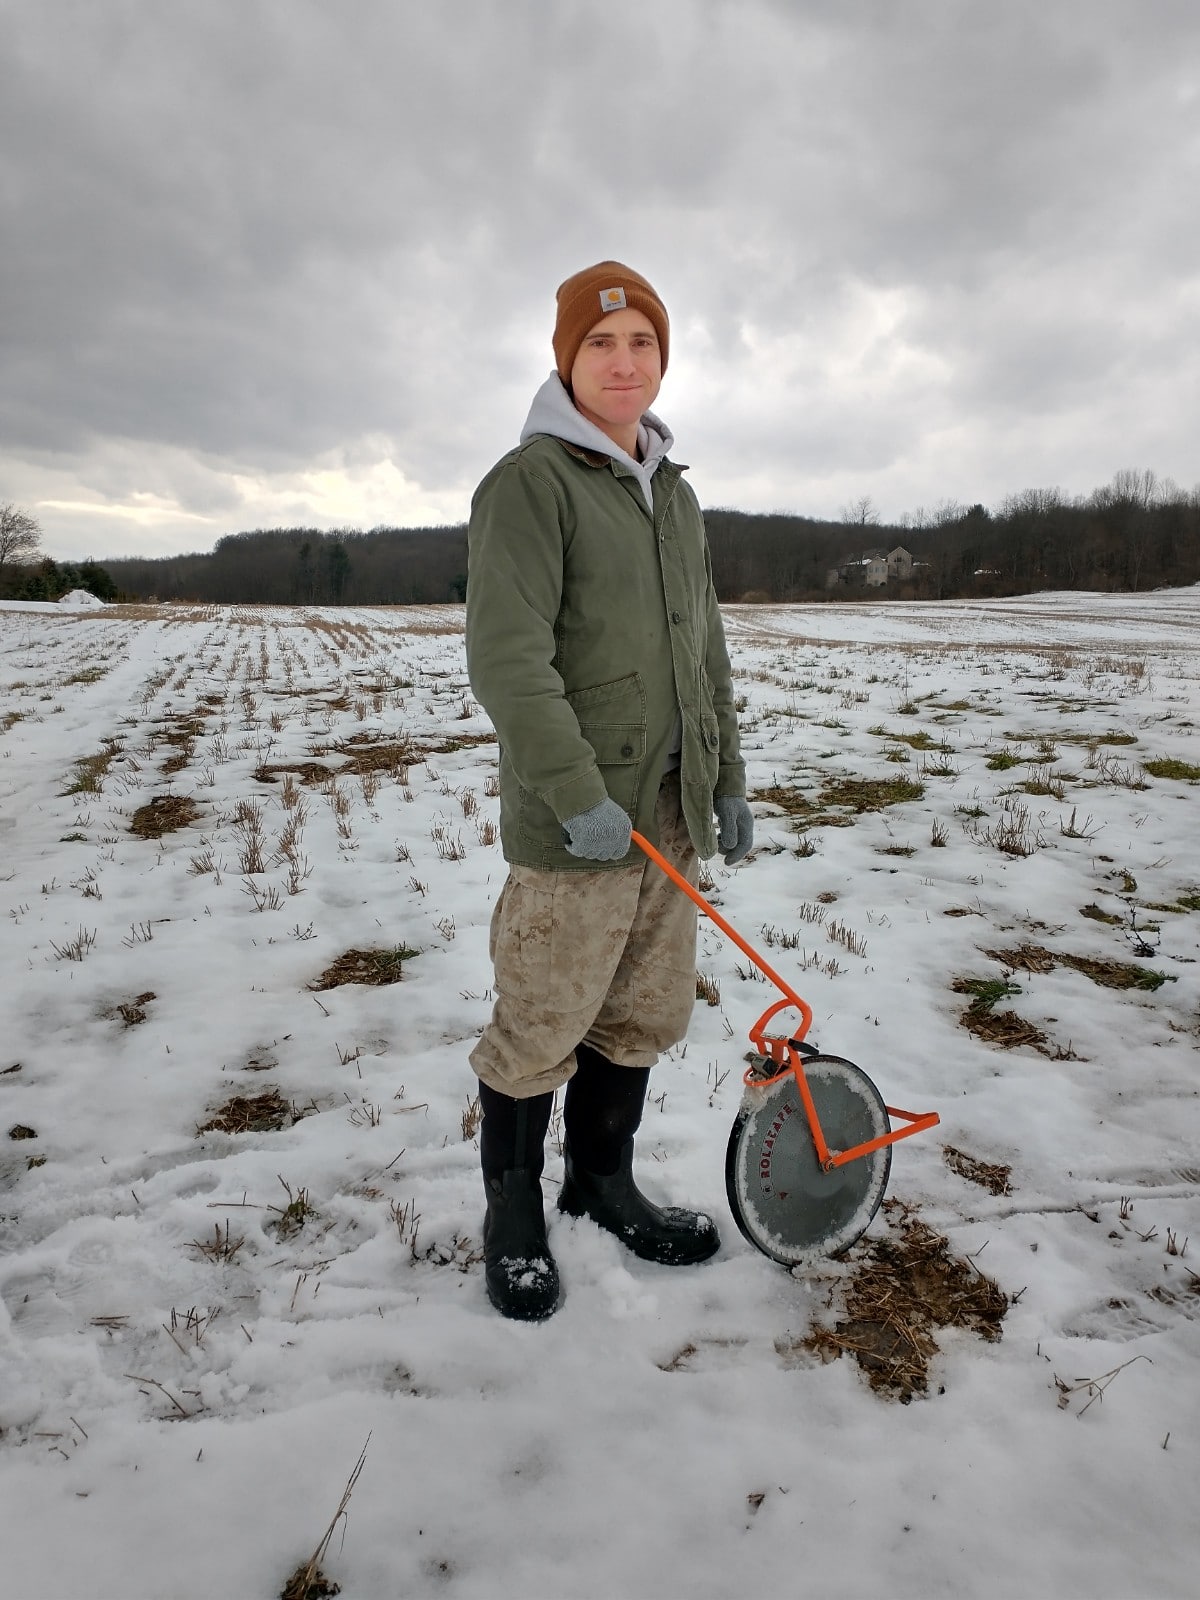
271 262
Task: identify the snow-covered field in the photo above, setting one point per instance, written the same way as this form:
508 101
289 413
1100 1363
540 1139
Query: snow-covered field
199 1330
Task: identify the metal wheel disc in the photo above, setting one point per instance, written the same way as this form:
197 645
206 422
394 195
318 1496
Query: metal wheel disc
780 1198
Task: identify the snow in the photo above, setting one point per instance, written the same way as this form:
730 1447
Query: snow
80 600
177 1424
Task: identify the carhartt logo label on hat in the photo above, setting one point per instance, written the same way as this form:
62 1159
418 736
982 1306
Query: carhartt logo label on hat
612 299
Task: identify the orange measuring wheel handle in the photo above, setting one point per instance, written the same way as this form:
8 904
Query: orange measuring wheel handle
786 1051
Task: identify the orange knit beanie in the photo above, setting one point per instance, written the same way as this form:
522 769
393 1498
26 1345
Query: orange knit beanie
584 299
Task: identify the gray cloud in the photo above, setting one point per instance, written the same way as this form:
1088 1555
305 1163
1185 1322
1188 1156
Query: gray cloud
279 258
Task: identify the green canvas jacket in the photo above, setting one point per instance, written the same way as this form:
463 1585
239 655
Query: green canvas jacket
590 625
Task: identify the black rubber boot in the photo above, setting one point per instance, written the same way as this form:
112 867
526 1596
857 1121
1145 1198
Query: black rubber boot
602 1109
669 1235
522 1279
601 1113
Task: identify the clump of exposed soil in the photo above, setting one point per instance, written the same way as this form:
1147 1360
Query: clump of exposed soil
362 754
375 967
181 736
1095 913
906 1286
184 730
310 773
459 741
131 1012
989 1175
796 804
260 1113
849 796
309 1583
793 801
164 814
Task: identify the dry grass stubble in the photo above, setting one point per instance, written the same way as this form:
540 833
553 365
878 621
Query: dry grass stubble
166 813
903 1288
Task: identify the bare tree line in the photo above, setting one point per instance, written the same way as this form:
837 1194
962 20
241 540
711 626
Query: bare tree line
1136 532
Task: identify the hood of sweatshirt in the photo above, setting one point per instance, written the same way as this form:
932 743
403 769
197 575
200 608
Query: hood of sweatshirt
554 413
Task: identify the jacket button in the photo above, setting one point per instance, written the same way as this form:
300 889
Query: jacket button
626 749
675 617
714 740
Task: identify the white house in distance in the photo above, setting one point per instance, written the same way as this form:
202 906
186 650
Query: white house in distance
874 569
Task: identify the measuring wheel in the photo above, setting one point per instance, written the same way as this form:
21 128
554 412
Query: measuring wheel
781 1199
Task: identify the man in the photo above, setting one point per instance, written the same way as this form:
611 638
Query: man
595 644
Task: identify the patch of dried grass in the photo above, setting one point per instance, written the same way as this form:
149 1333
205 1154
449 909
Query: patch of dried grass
870 794
989 1175
182 738
1108 974
460 741
906 1286
364 757
164 814
260 1113
375 967
1095 913
1004 1028
792 801
185 729
853 795
313 774
90 771
1025 958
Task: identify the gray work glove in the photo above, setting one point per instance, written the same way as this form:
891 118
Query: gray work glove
736 833
599 834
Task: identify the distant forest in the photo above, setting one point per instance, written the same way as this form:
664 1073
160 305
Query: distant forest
1137 532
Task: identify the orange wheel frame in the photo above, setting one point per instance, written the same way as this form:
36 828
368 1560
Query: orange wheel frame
786 1051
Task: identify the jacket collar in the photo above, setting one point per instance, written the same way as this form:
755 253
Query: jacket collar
601 458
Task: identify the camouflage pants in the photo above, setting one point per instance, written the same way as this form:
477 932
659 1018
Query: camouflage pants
606 958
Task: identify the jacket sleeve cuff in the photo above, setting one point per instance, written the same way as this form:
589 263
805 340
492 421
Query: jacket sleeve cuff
581 794
731 780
